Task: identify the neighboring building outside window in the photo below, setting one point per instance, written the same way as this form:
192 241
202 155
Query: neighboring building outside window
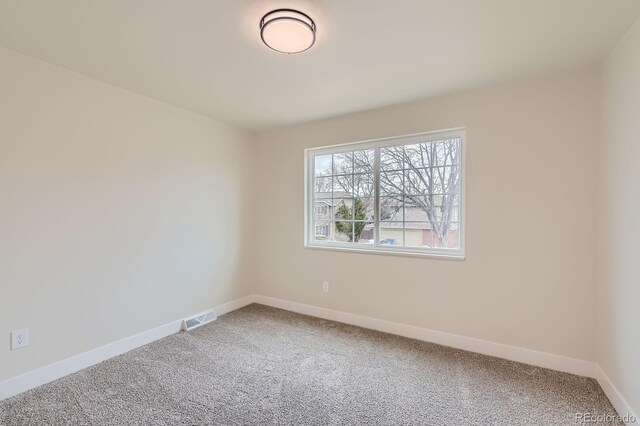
400 195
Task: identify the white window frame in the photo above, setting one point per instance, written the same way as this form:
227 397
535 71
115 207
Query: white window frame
376 247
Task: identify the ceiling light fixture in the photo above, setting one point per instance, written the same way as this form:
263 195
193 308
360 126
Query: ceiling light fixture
287 31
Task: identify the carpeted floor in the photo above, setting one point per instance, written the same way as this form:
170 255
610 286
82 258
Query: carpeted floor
259 366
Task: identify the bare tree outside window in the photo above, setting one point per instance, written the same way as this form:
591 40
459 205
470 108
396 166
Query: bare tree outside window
426 176
419 193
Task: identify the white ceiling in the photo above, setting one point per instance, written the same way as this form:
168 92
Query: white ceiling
206 55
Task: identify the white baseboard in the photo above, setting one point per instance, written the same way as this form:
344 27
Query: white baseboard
234 304
35 378
617 400
30 380
513 353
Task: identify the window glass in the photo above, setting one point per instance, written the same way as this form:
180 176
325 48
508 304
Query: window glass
403 193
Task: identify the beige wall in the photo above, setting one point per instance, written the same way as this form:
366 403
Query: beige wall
117 213
529 276
619 272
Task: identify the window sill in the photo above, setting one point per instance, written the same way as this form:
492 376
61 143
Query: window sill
388 252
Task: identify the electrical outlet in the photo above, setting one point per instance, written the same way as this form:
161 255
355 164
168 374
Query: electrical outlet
325 287
19 339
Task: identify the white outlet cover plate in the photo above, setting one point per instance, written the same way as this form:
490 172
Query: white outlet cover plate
19 338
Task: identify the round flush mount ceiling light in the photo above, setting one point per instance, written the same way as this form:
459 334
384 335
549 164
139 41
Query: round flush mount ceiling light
287 31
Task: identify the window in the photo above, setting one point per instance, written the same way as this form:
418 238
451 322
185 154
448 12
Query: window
400 195
322 209
322 231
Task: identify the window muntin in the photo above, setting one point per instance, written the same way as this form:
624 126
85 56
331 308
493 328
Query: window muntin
343 196
403 195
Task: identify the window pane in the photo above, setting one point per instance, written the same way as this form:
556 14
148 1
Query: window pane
343 163
322 211
417 209
391 158
445 235
391 234
418 181
363 232
446 152
391 209
364 208
342 208
343 186
418 155
322 187
418 234
391 183
437 208
447 209
363 185
344 231
322 231
322 165
363 161
445 179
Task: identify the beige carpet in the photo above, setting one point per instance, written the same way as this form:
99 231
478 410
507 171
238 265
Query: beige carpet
264 366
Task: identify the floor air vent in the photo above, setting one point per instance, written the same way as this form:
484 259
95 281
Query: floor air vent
198 320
